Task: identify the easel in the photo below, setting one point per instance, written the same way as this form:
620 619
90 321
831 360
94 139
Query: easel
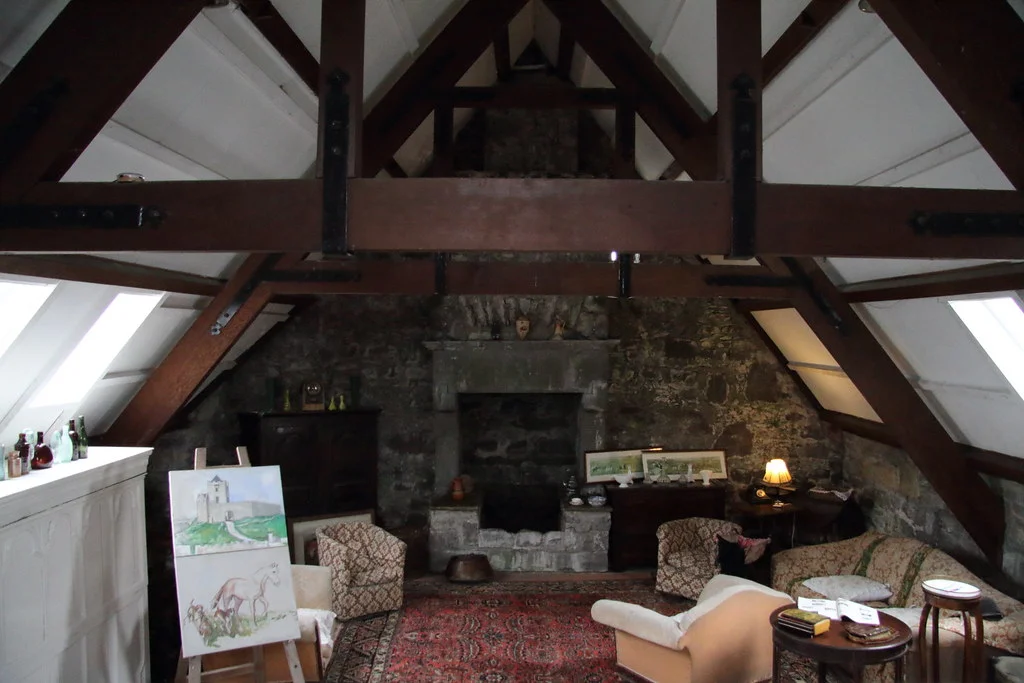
257 667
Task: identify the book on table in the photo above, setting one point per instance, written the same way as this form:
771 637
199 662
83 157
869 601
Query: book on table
803 621
840 609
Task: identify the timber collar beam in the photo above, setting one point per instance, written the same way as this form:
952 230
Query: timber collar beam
537 215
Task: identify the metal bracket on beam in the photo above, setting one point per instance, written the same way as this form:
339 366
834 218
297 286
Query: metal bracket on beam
335 164
744 169
968 224
20 131
801 277
625 276
243 294
441 273
111 216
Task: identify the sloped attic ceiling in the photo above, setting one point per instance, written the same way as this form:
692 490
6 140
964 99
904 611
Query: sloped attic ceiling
852 108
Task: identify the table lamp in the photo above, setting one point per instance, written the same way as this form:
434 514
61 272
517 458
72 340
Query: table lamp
776 474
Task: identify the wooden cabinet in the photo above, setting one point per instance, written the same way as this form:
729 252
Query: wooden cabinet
328 460
638 511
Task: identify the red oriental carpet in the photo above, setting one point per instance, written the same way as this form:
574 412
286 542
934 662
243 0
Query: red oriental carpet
493 633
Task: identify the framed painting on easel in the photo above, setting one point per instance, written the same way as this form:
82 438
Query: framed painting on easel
231 559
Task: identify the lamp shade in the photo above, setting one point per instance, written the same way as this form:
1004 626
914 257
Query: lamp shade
776 472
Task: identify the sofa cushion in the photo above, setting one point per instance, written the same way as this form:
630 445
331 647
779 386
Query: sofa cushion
849 587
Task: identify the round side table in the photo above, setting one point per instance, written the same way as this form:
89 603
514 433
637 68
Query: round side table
969 605
833 647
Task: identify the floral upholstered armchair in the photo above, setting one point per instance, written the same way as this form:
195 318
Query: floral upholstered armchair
367 568
688 554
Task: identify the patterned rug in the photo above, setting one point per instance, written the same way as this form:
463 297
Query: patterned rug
498 633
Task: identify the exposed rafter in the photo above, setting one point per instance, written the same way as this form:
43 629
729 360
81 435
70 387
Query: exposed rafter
997 277
269 22
104 271
940 459
189 363
440 65
974 54
342 35
120 41
524 96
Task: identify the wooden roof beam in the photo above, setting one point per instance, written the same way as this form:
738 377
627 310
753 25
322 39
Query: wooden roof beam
995 277
523 214
394 118
191 361
974 54
342 36
105 271
269 22
940 459
527 96
84 50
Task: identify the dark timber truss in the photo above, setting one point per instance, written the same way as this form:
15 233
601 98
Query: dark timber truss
71 82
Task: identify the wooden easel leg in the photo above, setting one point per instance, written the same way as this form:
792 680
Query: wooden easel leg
292 655
195 670
259 668
181 672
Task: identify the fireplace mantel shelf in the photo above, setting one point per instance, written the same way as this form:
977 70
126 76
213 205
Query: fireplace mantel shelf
571 345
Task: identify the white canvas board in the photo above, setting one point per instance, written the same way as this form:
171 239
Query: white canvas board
225 510
233 600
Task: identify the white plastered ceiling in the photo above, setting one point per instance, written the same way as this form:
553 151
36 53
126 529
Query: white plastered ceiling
852 108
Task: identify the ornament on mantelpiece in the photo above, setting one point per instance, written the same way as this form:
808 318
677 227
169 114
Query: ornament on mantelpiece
312 396
341 402
496 331
522 326
332 405
287 401
559 329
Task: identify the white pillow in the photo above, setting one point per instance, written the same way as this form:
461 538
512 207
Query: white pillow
849 587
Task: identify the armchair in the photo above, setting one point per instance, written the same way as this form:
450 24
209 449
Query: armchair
688 554
367 568
724 637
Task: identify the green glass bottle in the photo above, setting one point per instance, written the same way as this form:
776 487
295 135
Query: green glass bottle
76 442
83 439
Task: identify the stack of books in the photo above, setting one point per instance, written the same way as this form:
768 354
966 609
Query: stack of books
805 622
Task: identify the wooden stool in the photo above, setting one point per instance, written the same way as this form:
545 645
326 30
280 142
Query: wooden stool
974 639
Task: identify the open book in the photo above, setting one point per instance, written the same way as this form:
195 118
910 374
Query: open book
838 609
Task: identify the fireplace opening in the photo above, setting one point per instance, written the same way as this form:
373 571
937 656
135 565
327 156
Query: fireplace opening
518 449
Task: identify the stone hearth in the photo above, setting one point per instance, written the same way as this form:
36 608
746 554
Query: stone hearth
518 367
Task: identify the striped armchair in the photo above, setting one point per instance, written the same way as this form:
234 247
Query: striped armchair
688 554
367 568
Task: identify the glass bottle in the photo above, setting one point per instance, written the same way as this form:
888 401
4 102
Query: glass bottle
42 457
83 439
22 447
75 441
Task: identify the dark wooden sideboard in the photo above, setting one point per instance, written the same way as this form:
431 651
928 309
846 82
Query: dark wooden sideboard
328 460
638 510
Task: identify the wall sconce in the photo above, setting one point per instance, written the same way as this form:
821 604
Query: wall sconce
776 474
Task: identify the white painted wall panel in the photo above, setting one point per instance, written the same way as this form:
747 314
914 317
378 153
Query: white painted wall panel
424 15
794 337
21 24
207 264
197 103
972 171
104 158
880 114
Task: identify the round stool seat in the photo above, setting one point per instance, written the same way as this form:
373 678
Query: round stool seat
956 596
472 568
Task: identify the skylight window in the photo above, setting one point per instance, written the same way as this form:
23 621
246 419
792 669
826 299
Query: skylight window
998 325
97 349
19 301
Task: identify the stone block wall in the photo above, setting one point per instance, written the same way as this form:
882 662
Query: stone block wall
581 545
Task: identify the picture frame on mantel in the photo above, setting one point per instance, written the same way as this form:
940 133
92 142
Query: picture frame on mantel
602 466
675 462
302 530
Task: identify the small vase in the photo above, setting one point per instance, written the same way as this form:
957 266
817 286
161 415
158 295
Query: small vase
457 492
522 327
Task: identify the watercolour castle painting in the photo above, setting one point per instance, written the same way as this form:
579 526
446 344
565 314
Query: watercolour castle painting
231 559
216 511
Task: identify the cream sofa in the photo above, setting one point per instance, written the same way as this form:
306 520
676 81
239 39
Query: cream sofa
724 637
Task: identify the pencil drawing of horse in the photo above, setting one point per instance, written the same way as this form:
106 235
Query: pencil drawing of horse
236 592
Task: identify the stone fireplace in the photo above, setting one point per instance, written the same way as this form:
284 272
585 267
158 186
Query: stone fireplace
517 416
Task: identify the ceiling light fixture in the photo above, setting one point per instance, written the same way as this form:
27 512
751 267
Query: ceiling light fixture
865 6
613 257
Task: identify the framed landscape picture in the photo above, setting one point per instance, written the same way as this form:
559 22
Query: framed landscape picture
303 532
676 462
604 465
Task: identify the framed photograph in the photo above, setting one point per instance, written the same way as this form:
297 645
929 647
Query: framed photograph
604 465
302 532
676 462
